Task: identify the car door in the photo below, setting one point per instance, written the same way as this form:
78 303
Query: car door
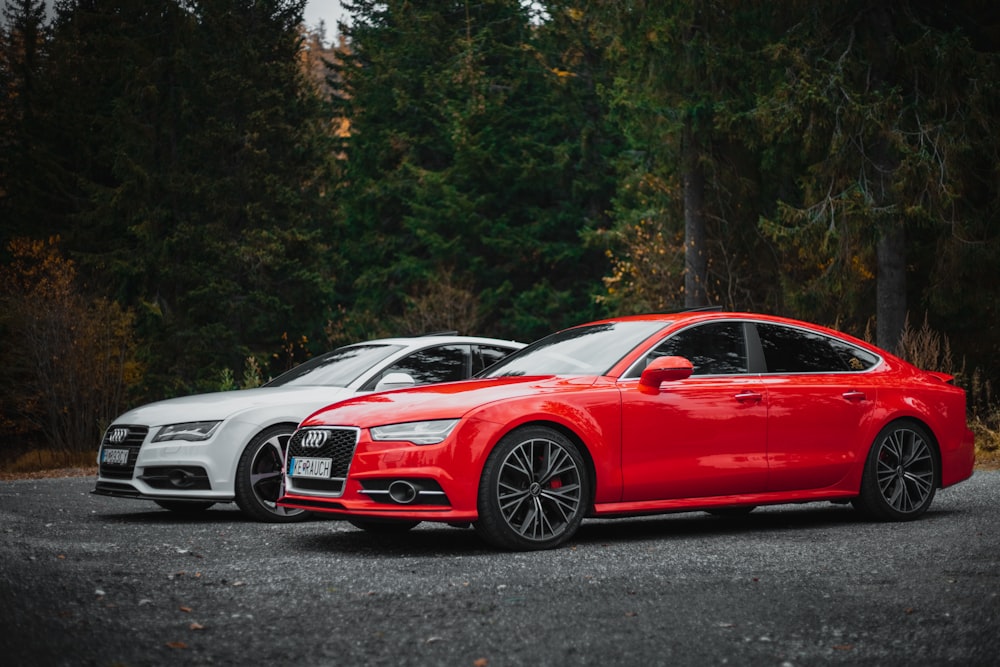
702 436
819 401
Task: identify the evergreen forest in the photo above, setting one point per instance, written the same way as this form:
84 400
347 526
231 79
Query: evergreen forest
197 195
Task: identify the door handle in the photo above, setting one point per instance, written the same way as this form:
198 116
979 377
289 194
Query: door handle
854 396
748 396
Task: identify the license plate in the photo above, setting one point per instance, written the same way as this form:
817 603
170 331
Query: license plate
115 457
302 466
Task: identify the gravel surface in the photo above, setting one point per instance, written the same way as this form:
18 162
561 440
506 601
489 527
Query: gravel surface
90 580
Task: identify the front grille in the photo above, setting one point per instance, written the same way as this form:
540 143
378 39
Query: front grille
338 446
132 441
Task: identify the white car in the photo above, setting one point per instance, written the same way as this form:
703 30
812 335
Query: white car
189 453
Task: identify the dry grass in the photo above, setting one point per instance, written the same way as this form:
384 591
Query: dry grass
40 463
987 445
46 474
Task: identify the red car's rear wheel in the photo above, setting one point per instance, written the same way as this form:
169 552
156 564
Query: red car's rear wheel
900 475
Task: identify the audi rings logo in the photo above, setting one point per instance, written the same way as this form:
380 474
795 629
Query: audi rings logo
117 435
315 439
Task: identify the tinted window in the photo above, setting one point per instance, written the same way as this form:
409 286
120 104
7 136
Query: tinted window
790 350
443 363
335 369
716 348
484 356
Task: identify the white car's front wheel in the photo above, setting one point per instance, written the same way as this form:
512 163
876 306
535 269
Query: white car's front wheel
258 476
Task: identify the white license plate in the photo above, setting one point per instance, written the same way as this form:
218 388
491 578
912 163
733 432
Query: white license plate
115 457
302 466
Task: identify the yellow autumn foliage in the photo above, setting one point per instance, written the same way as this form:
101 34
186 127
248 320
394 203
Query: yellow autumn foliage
68 359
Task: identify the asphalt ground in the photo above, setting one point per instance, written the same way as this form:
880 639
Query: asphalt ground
90 580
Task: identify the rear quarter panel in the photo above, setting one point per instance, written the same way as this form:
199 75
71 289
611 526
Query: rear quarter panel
942 407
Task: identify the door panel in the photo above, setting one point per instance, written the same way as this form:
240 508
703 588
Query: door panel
820 399
814 422
698 437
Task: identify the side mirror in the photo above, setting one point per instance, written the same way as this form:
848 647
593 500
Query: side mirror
665 369
395 381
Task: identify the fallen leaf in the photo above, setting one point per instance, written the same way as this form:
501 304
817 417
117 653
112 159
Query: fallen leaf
196 626
480 662
843 647
185 609
177 645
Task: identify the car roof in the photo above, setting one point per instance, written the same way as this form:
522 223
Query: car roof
442 338
710 313
706 314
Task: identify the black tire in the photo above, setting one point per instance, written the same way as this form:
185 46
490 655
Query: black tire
185 506
534 491
259 483
901 474
383 526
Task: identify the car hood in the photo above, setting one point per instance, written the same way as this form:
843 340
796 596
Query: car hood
295 402
440 401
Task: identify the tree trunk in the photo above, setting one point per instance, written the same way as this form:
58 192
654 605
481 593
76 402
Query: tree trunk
695 255
890 295
890 306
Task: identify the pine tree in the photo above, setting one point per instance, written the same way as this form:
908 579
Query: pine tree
691 176
188 173
464 156
23 59
889 100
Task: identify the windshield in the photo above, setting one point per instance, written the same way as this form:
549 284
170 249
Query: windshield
587 350
338 368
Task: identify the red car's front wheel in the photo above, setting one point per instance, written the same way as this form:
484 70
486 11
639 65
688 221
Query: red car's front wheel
534 490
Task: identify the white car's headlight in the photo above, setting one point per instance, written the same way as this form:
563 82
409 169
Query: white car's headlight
193 431
419 433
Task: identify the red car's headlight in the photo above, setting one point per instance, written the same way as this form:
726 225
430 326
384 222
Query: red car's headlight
419 433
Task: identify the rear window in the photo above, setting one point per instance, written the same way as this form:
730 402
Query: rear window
792 350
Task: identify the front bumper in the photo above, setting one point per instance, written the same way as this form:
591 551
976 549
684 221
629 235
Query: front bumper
387 480
169 470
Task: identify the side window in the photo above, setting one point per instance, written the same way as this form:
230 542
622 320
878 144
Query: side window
716 348
484 356
790 350
443 363
856 358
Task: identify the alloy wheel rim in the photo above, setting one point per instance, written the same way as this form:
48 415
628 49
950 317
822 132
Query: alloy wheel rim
265 475
905 470
539 489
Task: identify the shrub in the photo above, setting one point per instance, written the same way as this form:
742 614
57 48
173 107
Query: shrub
930 350
68 359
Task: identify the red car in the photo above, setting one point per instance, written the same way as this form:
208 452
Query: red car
640 415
